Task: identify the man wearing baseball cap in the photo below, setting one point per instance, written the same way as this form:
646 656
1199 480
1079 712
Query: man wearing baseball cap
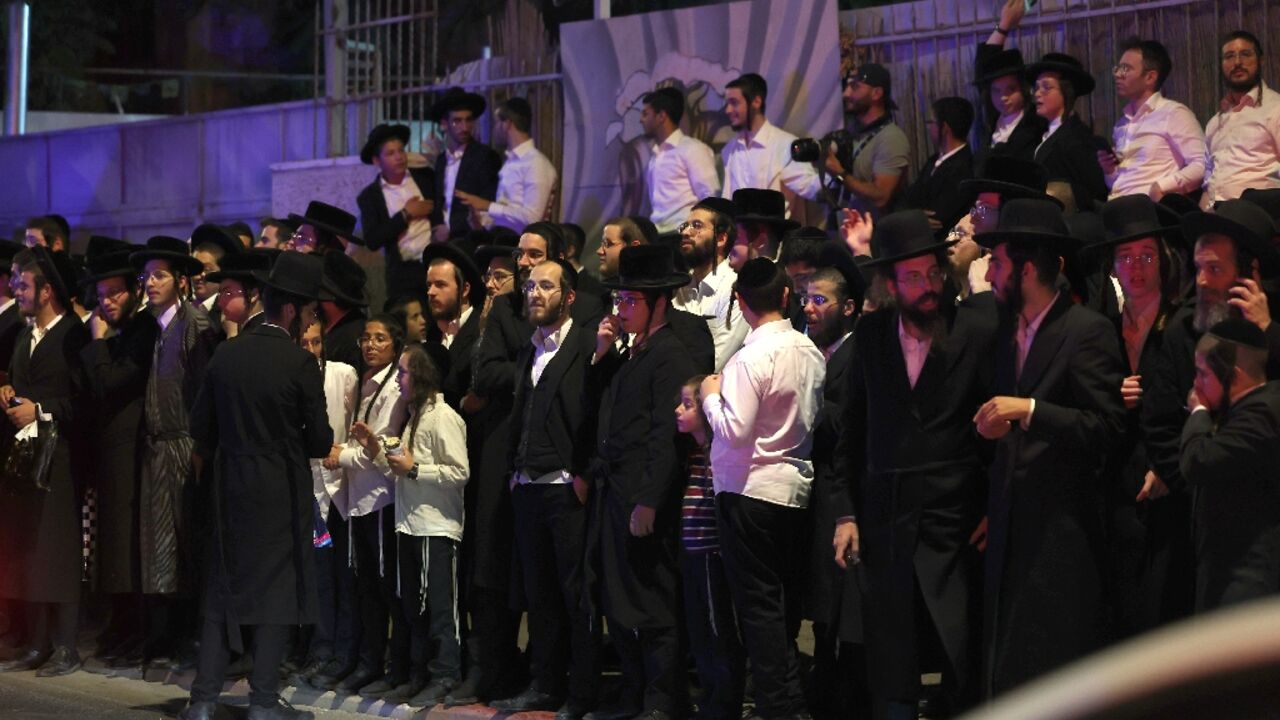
880 149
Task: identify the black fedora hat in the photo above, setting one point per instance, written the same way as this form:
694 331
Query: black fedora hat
1267 199
1066 66
8 249
380 134
1248 225
1178 204
59 271
1005 62
836 255
1031 220
464 263
328 218
1133 217
107 265
765 206
647 267
218 236
169 249
723 206
103 245
502 246
251 267
1011 178
300 274
455 98
343 279
902 236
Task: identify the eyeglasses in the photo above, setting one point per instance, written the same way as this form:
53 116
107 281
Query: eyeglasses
112 294
1243 56
981 210
373 341
301 239
230 293
818 301
694 225
1122 69
1044 87
157 275
915 279
498 276
627 301
1129 260
546 287
535 256
957 234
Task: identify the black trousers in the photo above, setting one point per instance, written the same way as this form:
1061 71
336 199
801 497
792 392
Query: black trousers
337 630
762 550
269 643
550 530
374 536
431 609
712 627
652 668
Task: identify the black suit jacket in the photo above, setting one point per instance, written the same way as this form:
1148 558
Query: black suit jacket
477 174
340 341
10 324
457 377
382 231
569 413
1044 602
1069 154
1026 135
938 189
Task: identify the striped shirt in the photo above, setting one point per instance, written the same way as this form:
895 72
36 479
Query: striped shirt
698 531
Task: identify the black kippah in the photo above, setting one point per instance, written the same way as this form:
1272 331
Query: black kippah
757 273
1240 332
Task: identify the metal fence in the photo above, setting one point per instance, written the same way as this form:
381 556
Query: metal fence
929 46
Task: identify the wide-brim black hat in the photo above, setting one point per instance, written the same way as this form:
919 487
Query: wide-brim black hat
764 206
343 279
1248 225
1011 178
1066 66
8 249
103 265
647 267
1038 221
380 134
502 247
59 271
252 267
103 245
299 274
1005 62
218 236
903 235
1133 217
836 255
171 250
470 272
455 98
723 206
1267 199
328 218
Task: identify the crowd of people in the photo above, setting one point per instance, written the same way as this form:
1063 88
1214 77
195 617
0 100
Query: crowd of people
989 422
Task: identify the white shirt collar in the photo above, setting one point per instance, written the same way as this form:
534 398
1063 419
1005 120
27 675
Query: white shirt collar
40 332
403 181
943 158
1146 107
761 137
167 316
456 324
673 140
7 304
834 347
520 150
550 342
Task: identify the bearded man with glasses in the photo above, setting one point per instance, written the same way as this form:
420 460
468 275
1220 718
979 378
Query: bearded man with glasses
1244 137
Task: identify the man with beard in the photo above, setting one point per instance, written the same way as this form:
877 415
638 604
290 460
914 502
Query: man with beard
1230 450
704 242
395 209
464 164
681 169
259 415
937 185
759 154
879 163
455 294
10 319
117 362
1232 255
760 224
239 292
552 435
1244 138
912 496
1056 412
342 311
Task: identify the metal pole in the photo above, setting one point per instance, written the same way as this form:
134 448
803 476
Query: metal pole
15 99
335 74
603 9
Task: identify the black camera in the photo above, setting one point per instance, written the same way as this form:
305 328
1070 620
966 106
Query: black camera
811 151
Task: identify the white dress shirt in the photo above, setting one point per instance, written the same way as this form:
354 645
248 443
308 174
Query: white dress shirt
1053 128
914 352
452 328
524 189
1158 144
545 347
1005 126
762 418
681 171
340 387
430 505
418 235
1024 338
368 487
1244 147
452 161
38 333
711 299
763 160
167 316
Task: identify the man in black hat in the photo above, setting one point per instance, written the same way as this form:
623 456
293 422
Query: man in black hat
1268 200
759 155
937 185
760 224
184 343
210 244
878 168
260 414
117 364
455 298
1012 126
10 318
637 482
342 309
465 164
913 492
1148 544
239 280
526 179
40 520
1056 411
395 209
1230 450
705 238
1067 149
321 229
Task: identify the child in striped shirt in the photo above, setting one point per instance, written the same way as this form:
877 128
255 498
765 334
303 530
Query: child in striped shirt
712 624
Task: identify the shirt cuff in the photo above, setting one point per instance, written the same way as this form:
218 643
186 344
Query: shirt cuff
1168 184
1026 422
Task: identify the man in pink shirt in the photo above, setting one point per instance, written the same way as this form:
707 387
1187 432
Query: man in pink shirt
1244 137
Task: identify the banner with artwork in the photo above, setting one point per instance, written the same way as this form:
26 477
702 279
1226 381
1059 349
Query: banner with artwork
609 65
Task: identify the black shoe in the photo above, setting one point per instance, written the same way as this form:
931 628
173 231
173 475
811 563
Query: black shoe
29 660
280 711
614 713
303 676
333 672
63 661
433 694
652 715
570 711
129 658
356 680
200 711
97 667
240 667
112 650
464 694
404 692
185 658
378 688
527 701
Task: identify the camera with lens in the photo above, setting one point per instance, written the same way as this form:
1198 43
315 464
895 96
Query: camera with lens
813 151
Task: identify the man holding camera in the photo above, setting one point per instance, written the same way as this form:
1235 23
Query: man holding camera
871 164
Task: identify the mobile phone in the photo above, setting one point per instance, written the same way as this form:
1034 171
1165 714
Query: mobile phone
1028 4
15 402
